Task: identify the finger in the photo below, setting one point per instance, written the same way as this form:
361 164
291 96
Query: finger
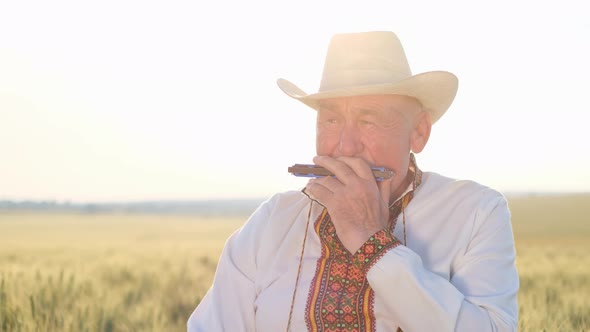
330 182
342 171
318 192
359 166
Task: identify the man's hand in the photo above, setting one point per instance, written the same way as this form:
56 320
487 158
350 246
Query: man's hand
357 206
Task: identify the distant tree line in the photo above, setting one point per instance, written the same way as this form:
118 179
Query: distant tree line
226 207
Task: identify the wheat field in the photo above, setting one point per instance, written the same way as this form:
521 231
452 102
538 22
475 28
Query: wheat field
131 272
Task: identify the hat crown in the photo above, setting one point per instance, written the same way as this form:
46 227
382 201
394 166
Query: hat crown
366 58
374 63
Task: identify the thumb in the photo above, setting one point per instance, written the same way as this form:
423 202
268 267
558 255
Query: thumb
385 191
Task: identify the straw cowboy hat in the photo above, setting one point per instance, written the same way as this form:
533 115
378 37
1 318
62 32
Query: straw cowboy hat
374 63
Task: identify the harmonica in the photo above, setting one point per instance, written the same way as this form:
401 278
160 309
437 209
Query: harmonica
315 171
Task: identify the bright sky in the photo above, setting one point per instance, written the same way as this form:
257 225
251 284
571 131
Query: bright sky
139 100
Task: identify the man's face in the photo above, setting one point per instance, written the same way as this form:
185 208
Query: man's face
380 129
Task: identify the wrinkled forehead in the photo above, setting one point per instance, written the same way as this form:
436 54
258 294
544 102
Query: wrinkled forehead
374 103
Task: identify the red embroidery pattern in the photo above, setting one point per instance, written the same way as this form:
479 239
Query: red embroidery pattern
341 298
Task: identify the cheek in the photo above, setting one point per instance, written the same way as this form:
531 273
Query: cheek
389 151
326 141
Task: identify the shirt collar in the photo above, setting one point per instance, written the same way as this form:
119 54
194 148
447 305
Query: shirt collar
412 168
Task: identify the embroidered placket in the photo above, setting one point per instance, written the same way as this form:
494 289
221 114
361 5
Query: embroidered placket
340 297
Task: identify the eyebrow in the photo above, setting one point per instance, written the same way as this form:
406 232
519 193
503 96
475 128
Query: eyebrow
378 114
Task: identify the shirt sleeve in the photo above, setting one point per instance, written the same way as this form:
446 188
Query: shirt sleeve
228 304
481 294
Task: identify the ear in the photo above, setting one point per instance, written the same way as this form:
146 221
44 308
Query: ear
421 132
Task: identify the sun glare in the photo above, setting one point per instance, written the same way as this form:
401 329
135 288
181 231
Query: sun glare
137 101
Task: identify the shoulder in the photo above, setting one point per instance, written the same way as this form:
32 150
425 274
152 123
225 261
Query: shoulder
439 188
463 203
269 230
274 216
465 200
282 205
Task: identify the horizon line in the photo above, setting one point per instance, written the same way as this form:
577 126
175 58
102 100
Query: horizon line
228 199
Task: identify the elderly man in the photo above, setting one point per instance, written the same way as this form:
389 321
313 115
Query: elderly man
416 252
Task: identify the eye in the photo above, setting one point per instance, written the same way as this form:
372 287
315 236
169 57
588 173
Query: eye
330 123
329 120
366 123
327 117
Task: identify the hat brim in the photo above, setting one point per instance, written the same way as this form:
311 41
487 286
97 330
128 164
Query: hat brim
435 90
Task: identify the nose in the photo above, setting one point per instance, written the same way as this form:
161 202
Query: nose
350 141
